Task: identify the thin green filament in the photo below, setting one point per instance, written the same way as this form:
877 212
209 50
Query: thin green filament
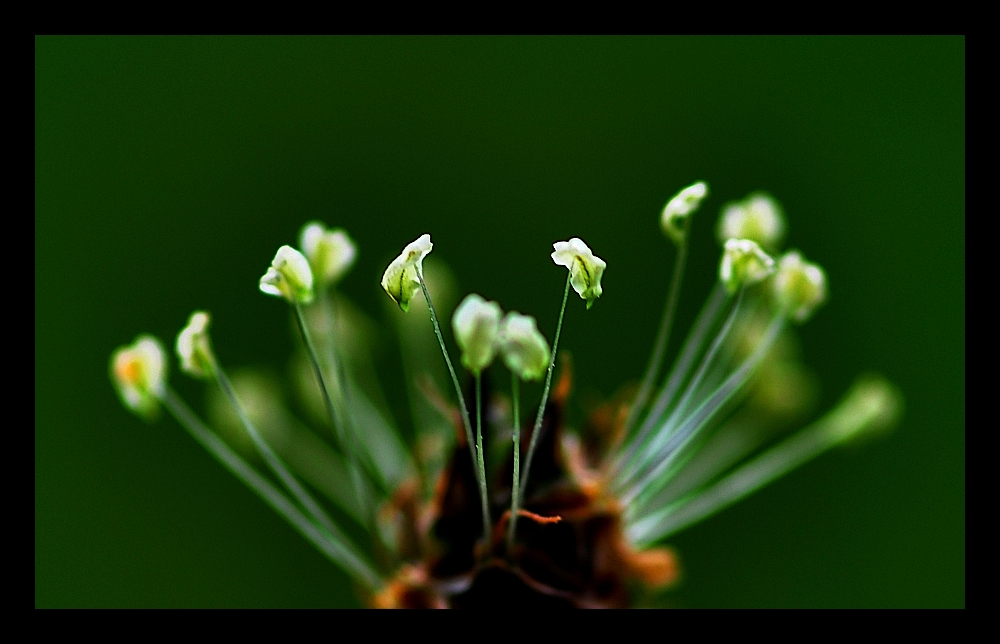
515 489
487 523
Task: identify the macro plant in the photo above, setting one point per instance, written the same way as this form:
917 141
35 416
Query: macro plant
497 500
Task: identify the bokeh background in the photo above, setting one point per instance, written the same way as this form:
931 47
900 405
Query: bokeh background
168 171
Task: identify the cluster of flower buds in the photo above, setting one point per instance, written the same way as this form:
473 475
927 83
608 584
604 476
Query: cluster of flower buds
325 258
675 461
482 331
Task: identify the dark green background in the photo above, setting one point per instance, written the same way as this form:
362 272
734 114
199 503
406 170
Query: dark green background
169 170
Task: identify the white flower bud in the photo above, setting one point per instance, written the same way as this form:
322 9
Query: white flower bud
799 286
289 277
679 208
585 268
743 263
193 347
400 279
524 349
139 373
757 218
331 253
476 324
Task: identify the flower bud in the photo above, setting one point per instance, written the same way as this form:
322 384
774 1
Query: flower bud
331 253
139 373
757 218
193 347
401 279
524 349
476 324
679 208
585 268
799 286
872 405
743 263
289 277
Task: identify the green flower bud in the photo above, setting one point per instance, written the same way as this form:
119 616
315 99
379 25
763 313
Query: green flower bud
799 286
193 346
331 253
757 218
289 277
476 324
524 349
139 373
743 263
585 268
401 279
683 204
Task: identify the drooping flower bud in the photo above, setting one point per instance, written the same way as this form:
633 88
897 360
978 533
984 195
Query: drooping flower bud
524 349
585 268
476 324
289 277
193 347
401 279
743 263
139 372
757 218
799 286
683 204
331 253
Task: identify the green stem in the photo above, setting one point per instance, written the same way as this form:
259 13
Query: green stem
545 397
515 501
346 444
481 471
272 459
664 333
330 544
461 405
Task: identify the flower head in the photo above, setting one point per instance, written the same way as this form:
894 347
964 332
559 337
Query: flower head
476 324
139 372
585 268
331 253
524 349
799 286
289 277
743 263
401 279
193 346
682 205
757 218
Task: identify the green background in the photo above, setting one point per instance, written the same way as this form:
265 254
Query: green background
168 171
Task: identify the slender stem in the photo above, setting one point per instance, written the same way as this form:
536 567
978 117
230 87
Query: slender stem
330 544
664 333
461 405
515 486
272 459
666 429
704 413
706 320
481 471
346 444
545 397
770 465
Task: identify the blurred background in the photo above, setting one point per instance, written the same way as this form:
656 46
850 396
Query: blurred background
169 170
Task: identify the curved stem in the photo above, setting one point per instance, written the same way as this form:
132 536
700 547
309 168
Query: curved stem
461 405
